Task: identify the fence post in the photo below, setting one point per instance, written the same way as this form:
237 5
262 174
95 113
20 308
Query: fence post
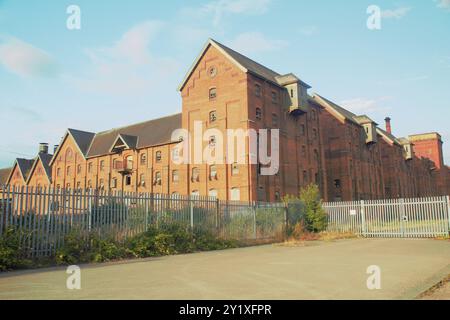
286 221
254 220
89 210
217 215
363 218
448 212
403 216
191 208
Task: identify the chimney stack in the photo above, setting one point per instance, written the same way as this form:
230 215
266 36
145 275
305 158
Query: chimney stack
43 147
55 148
388 125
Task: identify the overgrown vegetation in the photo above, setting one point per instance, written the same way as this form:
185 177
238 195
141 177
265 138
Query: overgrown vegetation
83 247
306 217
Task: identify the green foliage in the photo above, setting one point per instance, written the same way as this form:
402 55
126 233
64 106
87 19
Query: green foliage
305 212
315 215
12 251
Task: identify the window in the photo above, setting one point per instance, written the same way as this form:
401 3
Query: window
78 185
337 183
175 154
274 120
258 114
157 177
158 156
213 172
274 97
102 165
314 133
316 155
101 184
195 174
212 193
313 115
79 169
58 172
302 129
292 93
235 194
212 141
213 116
234 169
304 151
257 90
143 159
129 162
128 180
90 167
68 170
175 176
212 93
114 183
142 180
69 155
195 193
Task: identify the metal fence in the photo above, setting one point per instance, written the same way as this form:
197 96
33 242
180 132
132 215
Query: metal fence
46 216
412 218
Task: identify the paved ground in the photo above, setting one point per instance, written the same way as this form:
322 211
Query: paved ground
331 270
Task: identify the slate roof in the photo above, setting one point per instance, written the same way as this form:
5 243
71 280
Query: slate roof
4 174
141 135
25 166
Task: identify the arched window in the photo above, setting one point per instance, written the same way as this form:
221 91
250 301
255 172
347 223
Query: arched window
102 165
69 154
157 177
213 116
68 170
212 193
274 120
316 155
79 169
235 194
143 159
195 193
195 174
142 180
213 172
212 93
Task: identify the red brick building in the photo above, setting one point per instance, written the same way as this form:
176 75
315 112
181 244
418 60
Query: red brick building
347 155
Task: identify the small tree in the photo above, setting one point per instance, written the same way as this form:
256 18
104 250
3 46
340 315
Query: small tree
315 215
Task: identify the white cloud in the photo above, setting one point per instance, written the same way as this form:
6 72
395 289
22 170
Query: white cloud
445 4
25 60
363 105
128 66
251 42
221 8
309 30
395 13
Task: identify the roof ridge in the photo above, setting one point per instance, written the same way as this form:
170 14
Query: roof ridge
135 124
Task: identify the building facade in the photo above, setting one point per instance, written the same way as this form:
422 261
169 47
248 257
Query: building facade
348 156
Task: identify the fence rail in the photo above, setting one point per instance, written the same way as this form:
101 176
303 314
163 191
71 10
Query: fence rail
46 216
410 218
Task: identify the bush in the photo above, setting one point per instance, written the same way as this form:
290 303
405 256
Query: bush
305 212
13 252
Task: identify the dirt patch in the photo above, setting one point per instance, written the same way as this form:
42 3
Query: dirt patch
440 291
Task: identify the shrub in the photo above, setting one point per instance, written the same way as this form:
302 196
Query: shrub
13 252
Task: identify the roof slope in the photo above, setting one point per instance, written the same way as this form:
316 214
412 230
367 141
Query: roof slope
82 138
144 134
45 159
388 136
4 174
344 113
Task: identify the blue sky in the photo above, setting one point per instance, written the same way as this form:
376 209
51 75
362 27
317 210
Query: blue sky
126 61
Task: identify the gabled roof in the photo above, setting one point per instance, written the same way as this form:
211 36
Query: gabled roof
83 140
336 110
363 119
388 136
24 166
244 63
129 141
145 134
4 174
289 79
45 159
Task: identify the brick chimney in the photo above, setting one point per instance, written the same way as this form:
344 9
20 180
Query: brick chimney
388 125
43 147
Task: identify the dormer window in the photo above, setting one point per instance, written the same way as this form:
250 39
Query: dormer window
212 93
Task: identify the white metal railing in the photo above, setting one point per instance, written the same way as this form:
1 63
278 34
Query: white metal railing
413 217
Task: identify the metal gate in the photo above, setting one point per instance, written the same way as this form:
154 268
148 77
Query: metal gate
409 218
